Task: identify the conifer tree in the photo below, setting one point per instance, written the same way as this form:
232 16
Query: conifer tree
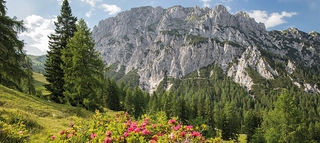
11 50
83 70
112 95
65 28
28 81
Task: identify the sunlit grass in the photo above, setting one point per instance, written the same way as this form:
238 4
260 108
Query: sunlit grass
48 117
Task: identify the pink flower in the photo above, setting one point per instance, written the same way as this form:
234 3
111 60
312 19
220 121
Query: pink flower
152 141
108 133
125 134
189 127
182 134
172 121
93 135
20 132
71 124
107 140
196 134
137 130
154 138
154 125
53 137
69 135
145 132
62 132
177 127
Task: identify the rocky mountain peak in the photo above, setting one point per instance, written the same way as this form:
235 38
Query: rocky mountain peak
156 42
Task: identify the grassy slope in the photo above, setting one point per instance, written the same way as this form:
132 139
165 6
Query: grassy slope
39 81
47 116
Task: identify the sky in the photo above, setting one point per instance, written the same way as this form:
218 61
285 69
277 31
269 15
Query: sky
39 15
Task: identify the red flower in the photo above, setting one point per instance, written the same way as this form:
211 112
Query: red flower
182 134
62 132
172 121
53 137
93 136
107 140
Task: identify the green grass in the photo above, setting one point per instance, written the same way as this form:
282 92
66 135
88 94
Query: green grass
43 117
39 81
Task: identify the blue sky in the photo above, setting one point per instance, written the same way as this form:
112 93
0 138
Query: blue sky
39 15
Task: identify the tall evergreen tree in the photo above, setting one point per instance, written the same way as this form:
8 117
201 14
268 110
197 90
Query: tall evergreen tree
28 81
83 70
65 28
11 50
111 95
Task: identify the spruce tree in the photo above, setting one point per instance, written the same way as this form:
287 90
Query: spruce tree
83 70
111 95
65 28
11 50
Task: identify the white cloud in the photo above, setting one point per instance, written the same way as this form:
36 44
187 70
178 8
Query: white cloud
89 13
111 9
270 20
91 2
38 29
206 3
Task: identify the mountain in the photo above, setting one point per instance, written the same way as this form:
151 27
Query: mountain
146 45
38 63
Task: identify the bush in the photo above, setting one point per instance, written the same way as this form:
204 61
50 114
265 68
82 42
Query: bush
103 128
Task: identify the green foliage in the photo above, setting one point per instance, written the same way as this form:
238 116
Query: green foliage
83 70
171 32
234 44
121 128
11 50
65 28
197 40
283 123
111 97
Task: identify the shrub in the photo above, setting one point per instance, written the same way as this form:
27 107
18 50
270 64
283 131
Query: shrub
122 128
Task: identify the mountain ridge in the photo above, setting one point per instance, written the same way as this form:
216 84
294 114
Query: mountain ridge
176 41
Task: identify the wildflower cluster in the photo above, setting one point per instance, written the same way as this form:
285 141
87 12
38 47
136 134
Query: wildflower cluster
122 129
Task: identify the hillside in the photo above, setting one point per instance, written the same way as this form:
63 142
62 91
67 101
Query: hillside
41 117
152 43
38 63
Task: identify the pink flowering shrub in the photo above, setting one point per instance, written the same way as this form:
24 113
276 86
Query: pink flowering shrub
122 129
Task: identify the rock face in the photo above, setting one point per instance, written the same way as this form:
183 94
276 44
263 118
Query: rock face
177 41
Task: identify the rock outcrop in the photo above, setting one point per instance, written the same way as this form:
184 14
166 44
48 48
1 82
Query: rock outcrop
177 41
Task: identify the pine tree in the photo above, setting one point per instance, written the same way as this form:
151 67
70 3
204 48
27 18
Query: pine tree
112 95
28 81
83 70
65 28
11 50
230 127
283 123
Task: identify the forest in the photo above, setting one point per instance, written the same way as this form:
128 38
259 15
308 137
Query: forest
208 109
